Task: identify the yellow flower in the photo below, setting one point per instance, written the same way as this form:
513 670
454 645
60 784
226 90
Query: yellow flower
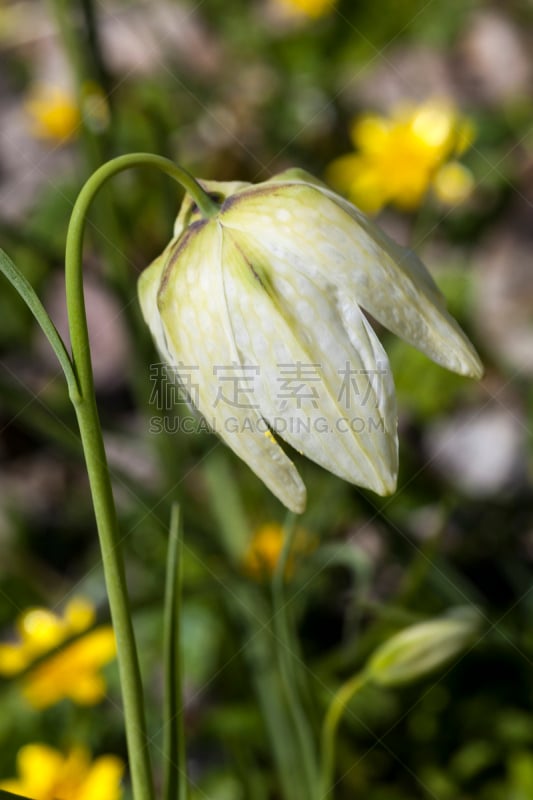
53 113
47 774
309 8
265 548
71 672
258 310
398 159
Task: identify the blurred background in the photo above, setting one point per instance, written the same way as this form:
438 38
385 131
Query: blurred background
422 113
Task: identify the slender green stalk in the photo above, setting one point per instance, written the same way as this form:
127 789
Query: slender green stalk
106 519
329 732
247 606
97 467
286 647
175 771
94 43
226 505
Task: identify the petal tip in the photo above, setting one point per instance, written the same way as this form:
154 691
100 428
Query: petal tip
476 369
387 484
297 504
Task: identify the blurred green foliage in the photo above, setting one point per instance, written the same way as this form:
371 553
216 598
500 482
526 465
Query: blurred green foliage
273 93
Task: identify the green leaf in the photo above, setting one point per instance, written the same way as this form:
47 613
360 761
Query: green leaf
27 293
227 507
175 767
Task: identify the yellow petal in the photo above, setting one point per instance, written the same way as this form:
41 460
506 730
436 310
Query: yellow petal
53 112
433 123
79 614
42 629
96 648
370 133
310 8
453 183
58 676
103 780
39 767
13 659
88 688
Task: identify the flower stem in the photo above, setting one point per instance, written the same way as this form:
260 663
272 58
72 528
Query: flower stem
245 603
106 519
84 402
286 647
329 732
175 765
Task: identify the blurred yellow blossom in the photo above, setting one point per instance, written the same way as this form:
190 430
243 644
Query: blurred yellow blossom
265 548
53 112
71 672
309 8
398 158
47 774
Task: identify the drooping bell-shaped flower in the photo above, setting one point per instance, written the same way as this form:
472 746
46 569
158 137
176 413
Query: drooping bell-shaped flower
263 305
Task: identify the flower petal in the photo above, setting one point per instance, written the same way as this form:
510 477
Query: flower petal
148 288
338 244
196 330
103 779
38 766
319 390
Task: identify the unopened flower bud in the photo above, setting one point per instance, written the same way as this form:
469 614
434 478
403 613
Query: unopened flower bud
419 649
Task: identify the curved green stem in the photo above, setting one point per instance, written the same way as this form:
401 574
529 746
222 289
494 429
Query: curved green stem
99 478
74 248
329 732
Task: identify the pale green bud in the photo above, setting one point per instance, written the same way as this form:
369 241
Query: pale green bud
278 280
419 649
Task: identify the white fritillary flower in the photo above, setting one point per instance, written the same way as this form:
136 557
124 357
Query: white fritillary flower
263 304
